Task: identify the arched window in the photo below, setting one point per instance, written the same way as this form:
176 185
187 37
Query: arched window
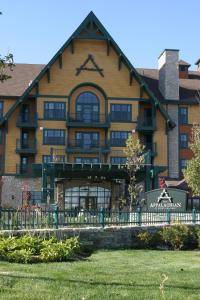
87 107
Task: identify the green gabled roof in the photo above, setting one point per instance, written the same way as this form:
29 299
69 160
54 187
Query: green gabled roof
92 28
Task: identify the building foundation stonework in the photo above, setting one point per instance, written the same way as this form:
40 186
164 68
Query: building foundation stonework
13 187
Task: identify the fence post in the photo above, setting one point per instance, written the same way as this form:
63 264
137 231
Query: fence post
56 215
102 217
194 216
139 216
168 216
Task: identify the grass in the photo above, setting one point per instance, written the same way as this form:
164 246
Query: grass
124 274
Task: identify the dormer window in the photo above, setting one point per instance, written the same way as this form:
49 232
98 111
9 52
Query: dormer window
183 69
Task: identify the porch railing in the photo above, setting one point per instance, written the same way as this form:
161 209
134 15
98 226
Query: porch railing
35 217
82 117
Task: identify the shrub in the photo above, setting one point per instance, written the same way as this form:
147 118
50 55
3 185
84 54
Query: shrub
176 236
30 249
144 239
149 240
198 237
192 242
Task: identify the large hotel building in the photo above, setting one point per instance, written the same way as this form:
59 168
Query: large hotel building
64 125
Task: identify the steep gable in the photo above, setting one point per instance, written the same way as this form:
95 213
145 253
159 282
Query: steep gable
90 29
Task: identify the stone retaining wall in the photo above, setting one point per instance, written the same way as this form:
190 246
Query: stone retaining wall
97 238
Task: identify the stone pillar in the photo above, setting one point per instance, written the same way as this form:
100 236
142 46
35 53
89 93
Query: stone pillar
60 195
169 87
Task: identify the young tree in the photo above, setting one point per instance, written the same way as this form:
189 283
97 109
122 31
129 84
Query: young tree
6 63
135 159
192 171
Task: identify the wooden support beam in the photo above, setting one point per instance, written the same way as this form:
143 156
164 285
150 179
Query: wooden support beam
72 46
37 88
141 90
131 77
60 60
108 47
48 75
119 62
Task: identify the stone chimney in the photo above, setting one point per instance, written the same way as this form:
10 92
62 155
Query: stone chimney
169 87
198 64
169 74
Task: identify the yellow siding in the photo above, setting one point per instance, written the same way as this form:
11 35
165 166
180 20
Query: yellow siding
114 83
161 140
7 105
193 113
11 158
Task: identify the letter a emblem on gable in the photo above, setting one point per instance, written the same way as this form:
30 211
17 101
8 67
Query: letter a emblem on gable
84 67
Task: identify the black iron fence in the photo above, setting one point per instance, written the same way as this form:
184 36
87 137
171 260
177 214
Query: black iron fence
36 217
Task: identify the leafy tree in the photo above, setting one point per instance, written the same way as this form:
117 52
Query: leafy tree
135 159
192 171
6 63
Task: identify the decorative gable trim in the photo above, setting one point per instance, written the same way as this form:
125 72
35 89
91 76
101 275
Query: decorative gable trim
91 28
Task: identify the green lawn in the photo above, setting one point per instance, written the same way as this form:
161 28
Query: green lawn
125 274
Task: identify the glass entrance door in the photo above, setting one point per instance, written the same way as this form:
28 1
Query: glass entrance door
88 202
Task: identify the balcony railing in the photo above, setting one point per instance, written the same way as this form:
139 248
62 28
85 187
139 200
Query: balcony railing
118 142
26 147
146 124
82 146
24 169
83 119
27 121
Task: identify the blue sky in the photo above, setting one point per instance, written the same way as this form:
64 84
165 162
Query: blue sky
33 30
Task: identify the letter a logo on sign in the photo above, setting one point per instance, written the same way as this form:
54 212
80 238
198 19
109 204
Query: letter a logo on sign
164 196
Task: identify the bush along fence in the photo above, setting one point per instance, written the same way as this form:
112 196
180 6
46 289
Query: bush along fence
30 218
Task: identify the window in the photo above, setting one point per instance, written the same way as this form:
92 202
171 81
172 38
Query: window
118 160
54 110
87 197
121 112
87 160
46 159
87 107
118 138
183 112
182 68
1 109
55 158
87 139
183 140
54 137
183 163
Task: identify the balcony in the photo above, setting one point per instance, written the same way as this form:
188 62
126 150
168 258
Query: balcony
81 146
26 147
24 170
26 121
146 124
90 120
152 147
